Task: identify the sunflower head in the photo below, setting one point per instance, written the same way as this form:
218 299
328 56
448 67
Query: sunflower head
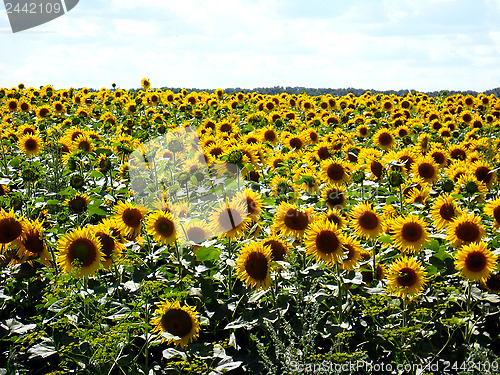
475 261
160 225
176 324
129 218
324 241
254 265
406 277
365 221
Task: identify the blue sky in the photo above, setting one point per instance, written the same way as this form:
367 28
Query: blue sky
424 45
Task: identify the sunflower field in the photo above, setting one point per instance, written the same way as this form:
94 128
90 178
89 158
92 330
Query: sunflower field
362 236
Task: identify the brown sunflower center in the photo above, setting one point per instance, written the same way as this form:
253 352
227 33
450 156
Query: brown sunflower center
33 242
132 217
350 251
195 234
176 322
377 168
225 128
78 205
296 220
385 139
107 243
256 266
31 144
82 250
468 232
335 172
368 220
447 211
327 242
253 207
496 214
483 174
438 157
412 232
407 277
323 153
493 282
164 227
270 136
476 261
426 170
335 197
335 219
458 154
278 250
295 143
10 229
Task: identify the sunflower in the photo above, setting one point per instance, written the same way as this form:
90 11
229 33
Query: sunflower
492 209
335 170
475 261
406 277
78 203
335 216
335 197
10 227
30 144
145 83
469 186
80 248
160 225
112 248
323 241
32 241
229 220
384 139
251 200
292 221
362 131
465 229
492 283
254 265
84 143
178 321
365 221
409 233
353 250
426 169
195 231
444 211
129 218
279 248
484 173
282 187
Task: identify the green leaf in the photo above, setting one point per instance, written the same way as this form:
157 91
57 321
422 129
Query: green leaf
97 174
391 199
53 201
207 253
385 238
95 210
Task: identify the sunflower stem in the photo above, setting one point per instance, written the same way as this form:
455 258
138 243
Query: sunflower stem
146 335
229 268
374 261
53 256
339 294
401 199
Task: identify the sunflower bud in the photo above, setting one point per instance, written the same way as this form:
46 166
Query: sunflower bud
395 178
358 176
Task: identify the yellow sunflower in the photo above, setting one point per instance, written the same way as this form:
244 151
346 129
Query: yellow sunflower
365 221
279 248
426 169
32 241
492 209
78 203
80 248
353 252
406 277
30 144
323 241
335 170
290 220
229 220
160 225
475 261
195 231
335 216
129 218
384 139
409 233
251 200
254 265
10 227
444 211
492 283
112 248
176 324
465 229
335 197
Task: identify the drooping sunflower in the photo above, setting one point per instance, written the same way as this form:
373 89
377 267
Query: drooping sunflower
254 265
176 324
112 248
290 220
365 221
10 226
229 220
444 211
129 218
475 261
465 229
82 249
324 242
406 277
30 144
161 226
409 233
